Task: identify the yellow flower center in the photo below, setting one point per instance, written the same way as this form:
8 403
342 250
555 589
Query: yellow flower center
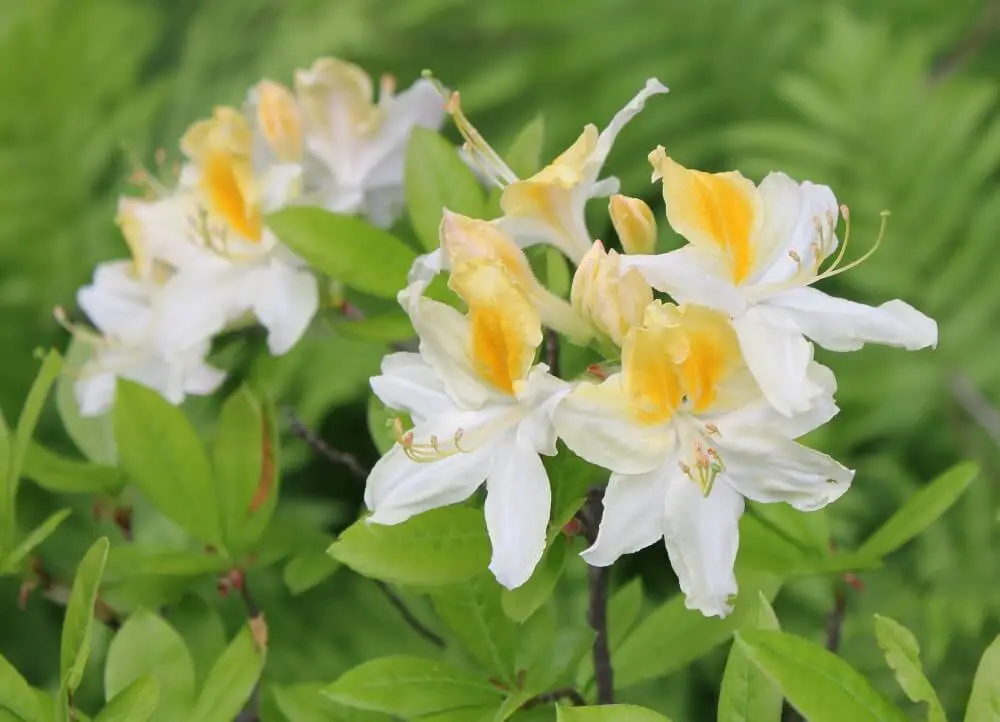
226 182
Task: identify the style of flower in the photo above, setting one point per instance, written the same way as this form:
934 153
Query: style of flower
687 435
753 252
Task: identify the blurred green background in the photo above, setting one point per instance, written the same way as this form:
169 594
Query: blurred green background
893 103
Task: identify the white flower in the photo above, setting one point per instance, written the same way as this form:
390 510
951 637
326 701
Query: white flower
687 435
355 147
549 206
123 308
481 413
753 252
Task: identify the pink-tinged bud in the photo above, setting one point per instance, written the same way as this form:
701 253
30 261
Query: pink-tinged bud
634 223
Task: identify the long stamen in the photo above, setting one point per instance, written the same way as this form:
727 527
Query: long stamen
428 452
834 270
77 330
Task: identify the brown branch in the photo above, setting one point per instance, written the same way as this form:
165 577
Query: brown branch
598 580
258 628
341 458
970 45
555 695
835 620
552 351
408 616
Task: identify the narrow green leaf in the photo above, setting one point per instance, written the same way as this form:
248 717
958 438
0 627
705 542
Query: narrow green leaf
525 153
388 327
308 568
984 701
132 561
57 473
35 538
231 681
201 628
922 510
135 703
747 695
441 546
435 177
818 683
902 653
609 713
162 455
306 703
521 603
473 613
147 645
16 697
94 436
78 624
348 249
411 687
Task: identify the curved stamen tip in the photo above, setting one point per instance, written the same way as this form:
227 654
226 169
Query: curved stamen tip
845 211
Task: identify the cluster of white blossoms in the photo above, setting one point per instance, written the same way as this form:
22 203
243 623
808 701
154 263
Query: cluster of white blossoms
202 257
711 391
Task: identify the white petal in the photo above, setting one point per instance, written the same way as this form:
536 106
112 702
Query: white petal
622 117
840 325
542 393
779 357
384 205
407 383
200 379
633 516
419 105
605 187
116 302
689 276
94 393
196 304
518 501
284 299
702 537
767 467
595 422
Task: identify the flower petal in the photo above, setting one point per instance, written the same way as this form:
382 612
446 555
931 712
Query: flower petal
595 421
689 275
702 537
197 303
633 516
284 299
419 105
621 119
408 384
116 302
840 325
518 501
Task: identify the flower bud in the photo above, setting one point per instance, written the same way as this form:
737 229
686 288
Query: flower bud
634 223
610 301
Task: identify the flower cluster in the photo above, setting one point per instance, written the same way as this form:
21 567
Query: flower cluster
203 259
706 394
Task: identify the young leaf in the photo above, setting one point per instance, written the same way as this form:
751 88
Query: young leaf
78 624
231 681
162 454
922 510
902 653
93 435
16 697
441 546
984 702
435 178
747 695
525 154
411 687
818 683
135 703
306 703
35 538
56 473
609 713
147 645
521 603
472 611
348 249
201 628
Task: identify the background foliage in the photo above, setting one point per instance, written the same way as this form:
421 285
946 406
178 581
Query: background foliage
893 103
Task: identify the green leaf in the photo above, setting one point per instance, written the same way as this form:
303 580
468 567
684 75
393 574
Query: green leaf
78 624
348 249
147 645
435 177
818 683
26 423
922 510
902 653
57 473
306 703
16 697
201 628
441 546
35 538
984 701
747 695
135 703
473 613
609 713
688 634
623 609
94 436
521 603
388 327
231 681
525 154
380 424
309 568
411 687
162 455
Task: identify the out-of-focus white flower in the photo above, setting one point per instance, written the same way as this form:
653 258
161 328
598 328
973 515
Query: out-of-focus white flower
481 412
753 252
549 206
612 301
687 435
356 147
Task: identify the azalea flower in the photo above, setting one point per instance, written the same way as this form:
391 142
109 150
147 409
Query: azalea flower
611 300
634 223
687 435
549 206
481 411
356 147
753 252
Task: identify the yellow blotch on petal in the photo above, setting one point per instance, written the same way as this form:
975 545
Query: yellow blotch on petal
649 371
278 119
505 327
720 210
712 353
465 239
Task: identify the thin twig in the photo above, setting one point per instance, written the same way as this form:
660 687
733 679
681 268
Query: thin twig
835 621
258 628
552 351
971 44
598 579
341 458
555 695
408 616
